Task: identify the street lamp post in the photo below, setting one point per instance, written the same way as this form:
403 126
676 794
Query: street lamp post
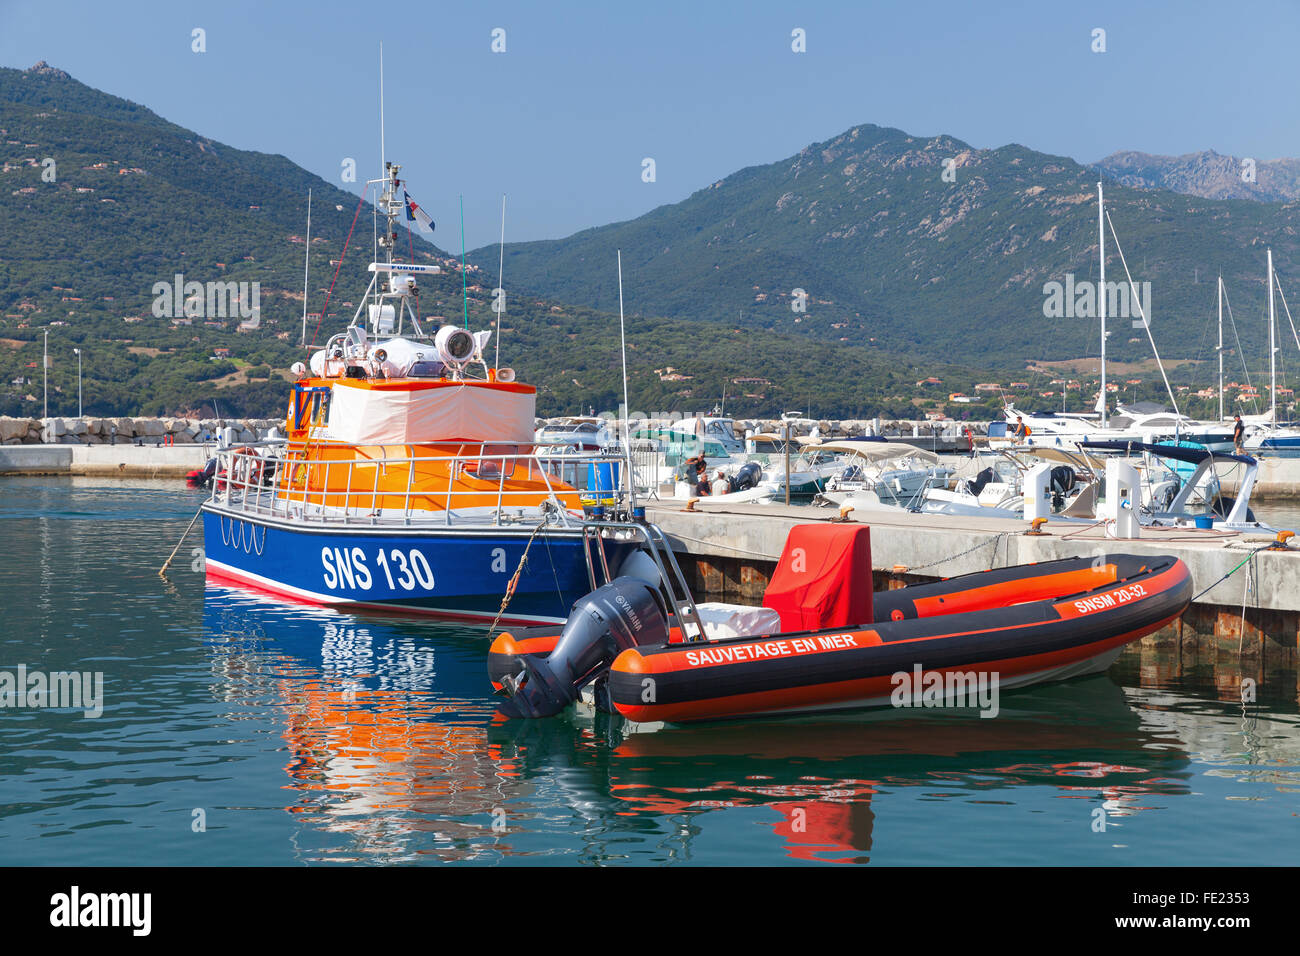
78 351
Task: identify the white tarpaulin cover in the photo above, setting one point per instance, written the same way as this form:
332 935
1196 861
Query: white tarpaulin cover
724 621
452 412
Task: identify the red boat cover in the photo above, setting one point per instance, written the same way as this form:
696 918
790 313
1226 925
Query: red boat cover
823 578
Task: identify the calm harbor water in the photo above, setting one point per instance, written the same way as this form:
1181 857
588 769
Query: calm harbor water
236 731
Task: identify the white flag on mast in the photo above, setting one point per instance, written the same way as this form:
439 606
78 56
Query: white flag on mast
417 215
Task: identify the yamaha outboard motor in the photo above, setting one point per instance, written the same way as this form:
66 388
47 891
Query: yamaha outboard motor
199 477
622 614
1061 479
976 484
747 477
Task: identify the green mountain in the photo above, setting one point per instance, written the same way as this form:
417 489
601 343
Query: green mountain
929 247
129 200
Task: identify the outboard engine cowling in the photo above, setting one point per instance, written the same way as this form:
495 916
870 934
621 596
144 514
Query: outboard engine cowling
625 613
977 484
199 477
1062 479
747 477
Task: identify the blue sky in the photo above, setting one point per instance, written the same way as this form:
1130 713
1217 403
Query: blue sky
562 120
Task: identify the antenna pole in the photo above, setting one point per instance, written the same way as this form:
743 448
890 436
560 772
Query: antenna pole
464 287
627 437
1101 294
501 280
383 165
306 270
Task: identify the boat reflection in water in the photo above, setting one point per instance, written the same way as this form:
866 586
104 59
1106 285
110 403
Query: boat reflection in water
394 755
820 775
384 723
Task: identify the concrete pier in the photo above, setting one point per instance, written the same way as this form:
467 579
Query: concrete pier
1246 625
103 461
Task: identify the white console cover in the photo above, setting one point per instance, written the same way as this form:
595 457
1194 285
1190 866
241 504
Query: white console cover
724 621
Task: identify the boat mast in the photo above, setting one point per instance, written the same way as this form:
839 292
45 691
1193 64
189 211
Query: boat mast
627 437
1272 347
306 271
1101 294
1221 347
501 280
388 241
383 285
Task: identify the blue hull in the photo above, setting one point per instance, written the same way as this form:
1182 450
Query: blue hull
453 573
1290 443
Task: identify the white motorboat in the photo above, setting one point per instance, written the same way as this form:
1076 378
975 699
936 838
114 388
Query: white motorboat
895 474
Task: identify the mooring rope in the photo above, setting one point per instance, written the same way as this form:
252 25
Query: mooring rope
162 572
514 578
1249 557
997 542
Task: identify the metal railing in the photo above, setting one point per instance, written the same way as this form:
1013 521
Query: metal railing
672 583
481 483
648 467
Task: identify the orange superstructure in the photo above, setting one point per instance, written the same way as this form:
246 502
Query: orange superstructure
340 453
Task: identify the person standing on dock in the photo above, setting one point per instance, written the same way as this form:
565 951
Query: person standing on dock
1022 430
1238 436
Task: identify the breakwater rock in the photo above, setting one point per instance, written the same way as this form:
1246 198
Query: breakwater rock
129 431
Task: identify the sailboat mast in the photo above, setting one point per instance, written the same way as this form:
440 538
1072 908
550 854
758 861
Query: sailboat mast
501 280
1272 345
1101 294
1221 348
306 269
627 425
